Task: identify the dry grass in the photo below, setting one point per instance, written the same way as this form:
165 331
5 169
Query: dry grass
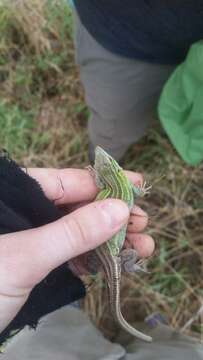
43 123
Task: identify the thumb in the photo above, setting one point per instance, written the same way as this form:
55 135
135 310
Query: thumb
27 257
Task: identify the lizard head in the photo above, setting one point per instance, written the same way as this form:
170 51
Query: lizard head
105 165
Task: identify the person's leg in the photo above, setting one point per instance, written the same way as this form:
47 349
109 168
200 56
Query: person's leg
167 344
121 93
65 334
68 333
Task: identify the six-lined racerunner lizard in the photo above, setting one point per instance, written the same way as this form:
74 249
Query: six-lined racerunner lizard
113 183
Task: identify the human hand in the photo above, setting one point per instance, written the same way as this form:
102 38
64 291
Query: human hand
23 263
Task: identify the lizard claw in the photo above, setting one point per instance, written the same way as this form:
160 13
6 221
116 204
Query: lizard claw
141 190
90 169
95 176
144 189
141 266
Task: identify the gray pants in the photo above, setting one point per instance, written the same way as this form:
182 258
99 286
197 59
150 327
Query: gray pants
121 93
67 334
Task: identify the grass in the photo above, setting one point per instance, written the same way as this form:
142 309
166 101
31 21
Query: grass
43 122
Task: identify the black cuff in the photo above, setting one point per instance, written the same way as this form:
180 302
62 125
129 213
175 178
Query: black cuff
23 206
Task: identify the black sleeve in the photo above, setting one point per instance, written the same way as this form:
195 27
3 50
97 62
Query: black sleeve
23 205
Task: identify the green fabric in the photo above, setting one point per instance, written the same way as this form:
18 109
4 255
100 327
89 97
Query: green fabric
181 107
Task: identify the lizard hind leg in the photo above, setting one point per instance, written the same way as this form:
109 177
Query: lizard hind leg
130 262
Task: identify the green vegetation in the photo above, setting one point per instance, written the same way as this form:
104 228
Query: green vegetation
43 123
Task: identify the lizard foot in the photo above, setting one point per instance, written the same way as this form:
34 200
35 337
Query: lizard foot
130 262
95 176
142 190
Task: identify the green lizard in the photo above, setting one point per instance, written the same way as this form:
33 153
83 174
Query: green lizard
113 183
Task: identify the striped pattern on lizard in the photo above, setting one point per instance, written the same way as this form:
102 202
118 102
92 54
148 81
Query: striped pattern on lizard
113 183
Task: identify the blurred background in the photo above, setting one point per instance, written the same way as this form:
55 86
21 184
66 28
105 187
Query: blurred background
43 121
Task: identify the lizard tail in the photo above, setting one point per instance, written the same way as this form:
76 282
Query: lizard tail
114 292
112 268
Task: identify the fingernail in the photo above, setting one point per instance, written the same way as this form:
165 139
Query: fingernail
138 211
116 212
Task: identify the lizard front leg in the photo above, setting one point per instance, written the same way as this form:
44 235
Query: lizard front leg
98 181
141 190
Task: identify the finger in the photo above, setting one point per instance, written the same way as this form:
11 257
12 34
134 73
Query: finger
28 256
134 177
143 243
138 220
65 185
71 185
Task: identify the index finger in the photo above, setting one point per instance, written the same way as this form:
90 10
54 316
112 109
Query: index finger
71 185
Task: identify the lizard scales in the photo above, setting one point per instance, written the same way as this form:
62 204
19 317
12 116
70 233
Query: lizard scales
113 183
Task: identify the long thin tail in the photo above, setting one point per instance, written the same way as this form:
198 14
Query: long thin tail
126 326
112 269
114 292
